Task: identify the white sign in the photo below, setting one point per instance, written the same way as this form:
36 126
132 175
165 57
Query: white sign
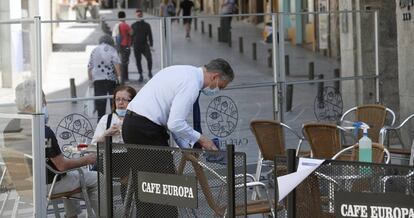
289 182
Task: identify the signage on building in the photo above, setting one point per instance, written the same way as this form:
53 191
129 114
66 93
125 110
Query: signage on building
390 205
167 189
405 6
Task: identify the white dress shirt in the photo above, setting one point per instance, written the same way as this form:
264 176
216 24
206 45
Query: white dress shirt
168 98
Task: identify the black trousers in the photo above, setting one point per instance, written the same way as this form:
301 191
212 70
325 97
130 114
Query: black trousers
124 52
141 131
103 87
143 50
225 27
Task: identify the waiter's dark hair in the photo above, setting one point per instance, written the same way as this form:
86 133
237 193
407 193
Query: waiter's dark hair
222 67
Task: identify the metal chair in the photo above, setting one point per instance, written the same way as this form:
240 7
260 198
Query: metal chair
220 209
269 136
378 153
372 114
324 139
20 173
384 133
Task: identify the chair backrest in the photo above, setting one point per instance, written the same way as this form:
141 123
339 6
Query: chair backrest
19 172
373 115
324 139
378 153
269 137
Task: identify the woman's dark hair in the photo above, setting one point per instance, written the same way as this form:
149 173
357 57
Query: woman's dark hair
129 89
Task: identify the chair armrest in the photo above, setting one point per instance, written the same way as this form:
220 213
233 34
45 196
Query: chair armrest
262 185
59 172
347 112
326 177
406 177
341 152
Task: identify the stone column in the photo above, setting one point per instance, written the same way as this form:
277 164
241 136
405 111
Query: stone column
405 43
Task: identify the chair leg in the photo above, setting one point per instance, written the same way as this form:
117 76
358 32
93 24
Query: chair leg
128 196
15 207
4 203
90 212
257 176
56 209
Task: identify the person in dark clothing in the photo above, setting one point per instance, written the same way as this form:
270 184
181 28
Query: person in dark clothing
142 43
122 34
186 6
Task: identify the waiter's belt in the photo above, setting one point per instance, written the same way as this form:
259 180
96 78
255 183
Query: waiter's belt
132 113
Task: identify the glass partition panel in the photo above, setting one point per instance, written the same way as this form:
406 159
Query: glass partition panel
16 62
227 117
65 73
317 48
16 179
248 49
240 43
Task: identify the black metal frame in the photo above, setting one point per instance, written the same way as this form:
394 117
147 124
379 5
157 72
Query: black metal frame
292 165
230 178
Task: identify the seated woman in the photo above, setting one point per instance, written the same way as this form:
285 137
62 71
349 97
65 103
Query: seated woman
111 124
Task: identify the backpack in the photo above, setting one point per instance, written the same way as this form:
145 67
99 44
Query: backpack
116 34
170 9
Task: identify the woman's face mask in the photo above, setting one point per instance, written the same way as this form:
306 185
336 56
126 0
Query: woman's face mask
121 112
46 113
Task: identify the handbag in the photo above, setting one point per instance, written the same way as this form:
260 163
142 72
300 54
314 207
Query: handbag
89 105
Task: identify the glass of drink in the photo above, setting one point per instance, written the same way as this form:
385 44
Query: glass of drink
83 145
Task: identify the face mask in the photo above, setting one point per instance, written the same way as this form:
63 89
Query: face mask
46 113
120 112
209 91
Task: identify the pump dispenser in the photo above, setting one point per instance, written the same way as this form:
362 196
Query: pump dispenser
365 146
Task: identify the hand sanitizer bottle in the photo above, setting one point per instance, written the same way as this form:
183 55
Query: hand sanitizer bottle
365 147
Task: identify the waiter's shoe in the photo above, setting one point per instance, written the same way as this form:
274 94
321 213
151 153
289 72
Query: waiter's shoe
141 78
150 75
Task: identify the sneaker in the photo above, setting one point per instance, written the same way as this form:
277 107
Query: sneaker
150 75
141 78
187 36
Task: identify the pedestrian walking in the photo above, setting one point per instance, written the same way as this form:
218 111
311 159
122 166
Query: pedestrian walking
186 6
104 71
122 34
142 43
162 106
167 8
228 7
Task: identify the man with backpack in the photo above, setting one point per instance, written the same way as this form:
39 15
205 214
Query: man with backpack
122 35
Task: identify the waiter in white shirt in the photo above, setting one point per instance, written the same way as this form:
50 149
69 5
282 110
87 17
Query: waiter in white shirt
164 103
162 106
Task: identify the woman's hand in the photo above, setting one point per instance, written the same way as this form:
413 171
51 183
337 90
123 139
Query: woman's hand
113 130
